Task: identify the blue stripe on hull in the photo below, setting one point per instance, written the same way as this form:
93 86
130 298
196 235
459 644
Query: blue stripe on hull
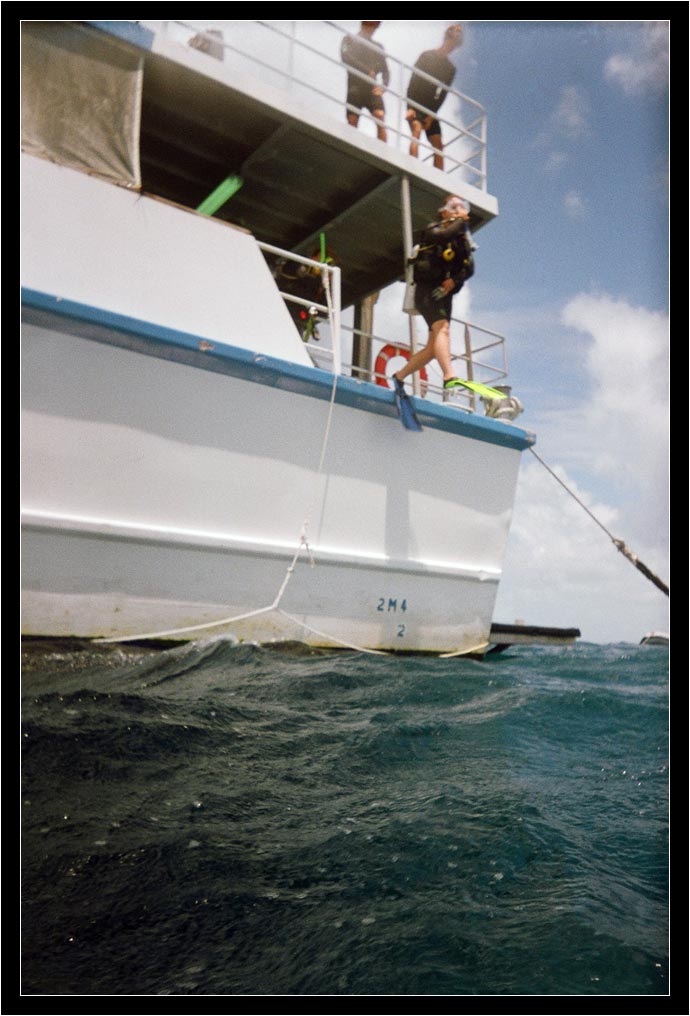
48 311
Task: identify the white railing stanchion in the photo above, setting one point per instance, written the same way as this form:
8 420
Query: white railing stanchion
332 309
335 337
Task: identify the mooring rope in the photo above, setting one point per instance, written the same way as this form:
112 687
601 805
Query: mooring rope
303 542
332 638
620 545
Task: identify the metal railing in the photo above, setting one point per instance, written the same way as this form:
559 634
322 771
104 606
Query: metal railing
330 277
315 72
479 352
483 359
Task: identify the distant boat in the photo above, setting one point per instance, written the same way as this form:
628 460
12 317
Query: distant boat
655 638
175 424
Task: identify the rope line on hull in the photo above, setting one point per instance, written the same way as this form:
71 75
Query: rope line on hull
303 543
619 544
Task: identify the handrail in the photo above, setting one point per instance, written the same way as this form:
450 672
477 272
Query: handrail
331 277
333 92
491 374
463 132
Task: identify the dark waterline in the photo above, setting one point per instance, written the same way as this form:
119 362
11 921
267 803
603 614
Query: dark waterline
220 819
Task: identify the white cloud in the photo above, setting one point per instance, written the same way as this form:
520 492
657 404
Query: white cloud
628 357
626 419
555 161
567 124
574 205
644 67
562 570
571 115
617 441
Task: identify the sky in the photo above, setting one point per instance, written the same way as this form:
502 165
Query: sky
574 272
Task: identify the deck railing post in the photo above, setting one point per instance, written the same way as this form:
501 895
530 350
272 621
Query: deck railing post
335 310
470 365
406 209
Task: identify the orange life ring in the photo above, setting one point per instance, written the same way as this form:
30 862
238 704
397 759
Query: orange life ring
389 352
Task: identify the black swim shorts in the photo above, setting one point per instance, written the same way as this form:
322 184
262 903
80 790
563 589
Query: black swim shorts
361 94
430 309
433 128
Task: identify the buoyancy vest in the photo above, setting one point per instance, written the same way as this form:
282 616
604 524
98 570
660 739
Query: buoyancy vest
445 252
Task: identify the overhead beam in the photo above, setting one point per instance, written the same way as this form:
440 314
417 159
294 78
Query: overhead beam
381 188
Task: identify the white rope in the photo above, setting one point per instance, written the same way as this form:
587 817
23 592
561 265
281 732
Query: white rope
170 632
214 624
180 631
332 638
619 544
303 544
464 652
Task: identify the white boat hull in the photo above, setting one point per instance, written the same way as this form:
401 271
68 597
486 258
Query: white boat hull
173 460
159 496
332 603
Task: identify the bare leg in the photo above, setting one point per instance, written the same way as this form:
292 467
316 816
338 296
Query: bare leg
437 348
352 119
437 143
416 128
380 128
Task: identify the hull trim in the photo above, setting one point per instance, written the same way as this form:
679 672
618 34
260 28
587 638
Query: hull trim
47 311
198 539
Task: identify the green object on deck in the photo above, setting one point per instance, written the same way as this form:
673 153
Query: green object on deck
474 386
323 246
222 193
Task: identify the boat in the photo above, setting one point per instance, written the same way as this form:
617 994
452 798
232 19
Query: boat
655 638
191 466
504 636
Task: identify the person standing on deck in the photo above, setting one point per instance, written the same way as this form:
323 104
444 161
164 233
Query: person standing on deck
424 98
442 265
368 58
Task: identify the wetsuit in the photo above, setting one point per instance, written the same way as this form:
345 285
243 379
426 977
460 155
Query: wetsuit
372 62
421 92
431 268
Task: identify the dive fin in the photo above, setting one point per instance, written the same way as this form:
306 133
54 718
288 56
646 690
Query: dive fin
407 415
474 386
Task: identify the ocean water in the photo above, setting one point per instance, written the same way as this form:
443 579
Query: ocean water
220 819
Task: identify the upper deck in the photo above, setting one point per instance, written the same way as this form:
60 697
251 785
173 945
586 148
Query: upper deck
268 106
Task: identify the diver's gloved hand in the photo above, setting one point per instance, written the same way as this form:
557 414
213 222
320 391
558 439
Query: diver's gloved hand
438 293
